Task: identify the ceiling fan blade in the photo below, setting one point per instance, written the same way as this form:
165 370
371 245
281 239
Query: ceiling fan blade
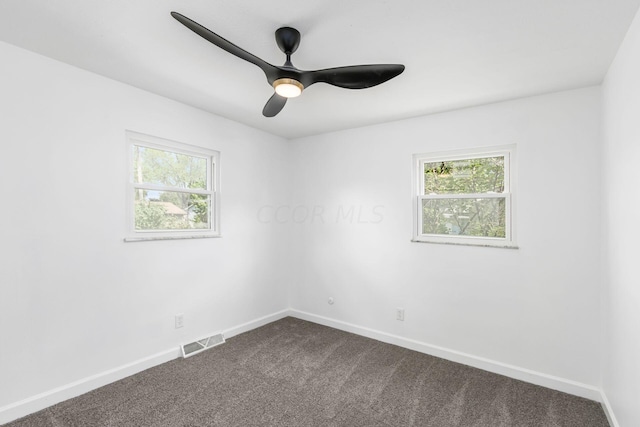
355 76
223 43
274 105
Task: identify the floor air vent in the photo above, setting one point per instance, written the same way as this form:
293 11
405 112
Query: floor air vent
201 345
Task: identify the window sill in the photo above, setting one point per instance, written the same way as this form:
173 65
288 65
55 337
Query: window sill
482 245
174 237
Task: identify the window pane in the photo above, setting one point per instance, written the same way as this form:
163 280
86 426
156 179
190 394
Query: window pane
169 210
464 217
470 176
159 167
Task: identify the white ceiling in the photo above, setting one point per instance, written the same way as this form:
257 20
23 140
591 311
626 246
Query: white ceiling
457 53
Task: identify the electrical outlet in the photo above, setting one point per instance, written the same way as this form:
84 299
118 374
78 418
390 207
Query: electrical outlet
179 320
400 314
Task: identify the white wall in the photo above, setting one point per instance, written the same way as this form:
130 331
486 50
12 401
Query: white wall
621 152
536 307
75 300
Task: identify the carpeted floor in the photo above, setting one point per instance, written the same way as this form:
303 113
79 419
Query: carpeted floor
297 373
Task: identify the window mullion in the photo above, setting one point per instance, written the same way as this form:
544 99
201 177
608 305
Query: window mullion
153 187
464 196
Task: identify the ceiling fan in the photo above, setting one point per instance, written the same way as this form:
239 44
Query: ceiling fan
289 81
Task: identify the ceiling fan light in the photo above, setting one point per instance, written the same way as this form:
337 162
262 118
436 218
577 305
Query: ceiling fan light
288 88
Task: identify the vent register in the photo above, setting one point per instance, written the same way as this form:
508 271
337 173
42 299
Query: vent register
201 345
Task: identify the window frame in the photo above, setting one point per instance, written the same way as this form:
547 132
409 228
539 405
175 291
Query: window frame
212 184
509 195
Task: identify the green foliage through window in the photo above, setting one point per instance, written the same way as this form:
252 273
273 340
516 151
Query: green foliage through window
181 201
464 197
464 217
468 176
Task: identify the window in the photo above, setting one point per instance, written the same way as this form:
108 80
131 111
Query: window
465 197
172 189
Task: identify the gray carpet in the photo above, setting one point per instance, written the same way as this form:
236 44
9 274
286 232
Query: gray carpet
297 373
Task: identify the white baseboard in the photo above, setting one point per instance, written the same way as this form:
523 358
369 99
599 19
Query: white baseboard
41 401
608 410
523 374
236 330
